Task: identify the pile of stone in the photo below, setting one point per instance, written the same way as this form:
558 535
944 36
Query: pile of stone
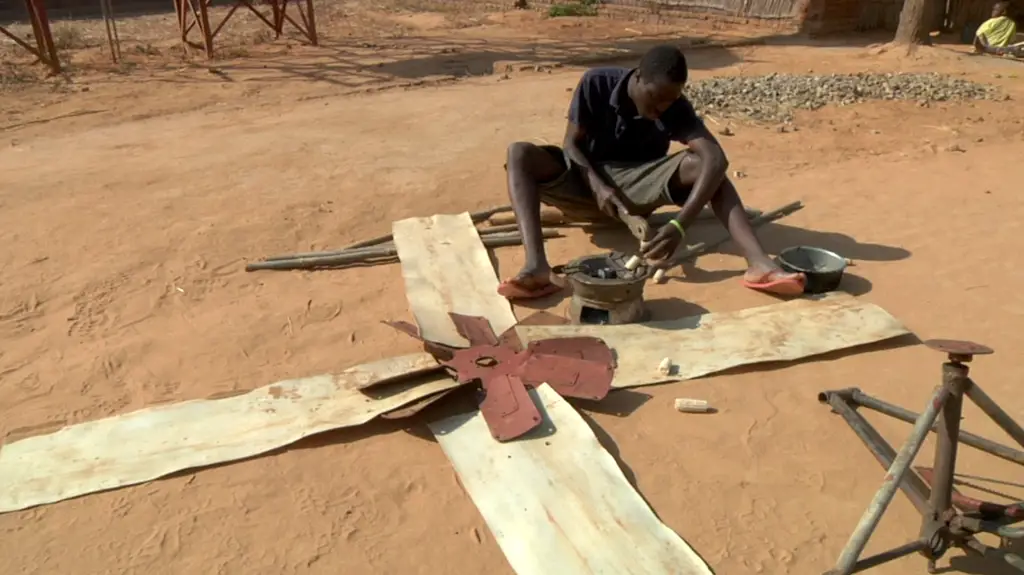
774 98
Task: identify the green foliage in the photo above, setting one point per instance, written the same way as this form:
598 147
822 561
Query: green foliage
581 8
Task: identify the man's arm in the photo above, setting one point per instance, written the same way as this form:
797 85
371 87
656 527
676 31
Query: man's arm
575 135
580 118
981 44
713 169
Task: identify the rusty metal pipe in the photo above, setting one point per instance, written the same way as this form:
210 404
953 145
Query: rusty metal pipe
954 379
913 486
976 441
1002 419
893 477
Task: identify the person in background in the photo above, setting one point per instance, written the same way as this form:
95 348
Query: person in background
996 35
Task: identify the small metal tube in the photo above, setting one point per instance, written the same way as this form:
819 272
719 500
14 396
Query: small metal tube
893 478
954 378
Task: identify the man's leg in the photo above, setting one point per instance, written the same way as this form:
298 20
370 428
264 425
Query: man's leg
668 181
728 207
536 175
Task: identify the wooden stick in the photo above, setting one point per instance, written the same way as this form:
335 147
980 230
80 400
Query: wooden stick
483 232
369 254
477 217
483 215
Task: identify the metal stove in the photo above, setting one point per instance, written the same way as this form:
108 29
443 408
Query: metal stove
604 292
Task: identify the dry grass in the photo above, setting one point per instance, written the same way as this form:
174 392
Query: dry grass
67 36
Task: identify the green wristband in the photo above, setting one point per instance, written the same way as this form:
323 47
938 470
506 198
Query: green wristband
678 226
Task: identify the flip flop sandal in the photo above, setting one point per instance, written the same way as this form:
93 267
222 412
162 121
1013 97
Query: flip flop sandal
785 286
512 290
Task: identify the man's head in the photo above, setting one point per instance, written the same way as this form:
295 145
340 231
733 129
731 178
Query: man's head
659 80
1000 9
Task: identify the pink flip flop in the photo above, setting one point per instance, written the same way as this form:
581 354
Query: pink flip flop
779 283
511 289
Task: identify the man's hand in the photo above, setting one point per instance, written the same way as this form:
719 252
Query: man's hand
663 245
608 201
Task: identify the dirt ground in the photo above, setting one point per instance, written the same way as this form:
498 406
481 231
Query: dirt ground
131 200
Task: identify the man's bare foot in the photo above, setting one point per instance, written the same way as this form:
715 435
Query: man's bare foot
530 283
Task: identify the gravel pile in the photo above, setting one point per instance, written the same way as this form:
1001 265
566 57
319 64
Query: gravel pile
774 98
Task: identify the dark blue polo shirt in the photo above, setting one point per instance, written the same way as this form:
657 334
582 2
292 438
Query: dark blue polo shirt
615 131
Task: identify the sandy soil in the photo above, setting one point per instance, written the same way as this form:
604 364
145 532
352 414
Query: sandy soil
129 207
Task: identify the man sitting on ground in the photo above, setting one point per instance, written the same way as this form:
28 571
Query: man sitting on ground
996 35
614 161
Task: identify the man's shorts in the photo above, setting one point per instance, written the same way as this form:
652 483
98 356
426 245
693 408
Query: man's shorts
648 186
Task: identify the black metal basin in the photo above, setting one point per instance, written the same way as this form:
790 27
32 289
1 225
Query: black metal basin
824 269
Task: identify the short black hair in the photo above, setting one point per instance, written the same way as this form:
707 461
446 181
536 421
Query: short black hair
664 64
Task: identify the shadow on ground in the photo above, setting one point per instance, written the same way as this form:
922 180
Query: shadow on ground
360 64
417 58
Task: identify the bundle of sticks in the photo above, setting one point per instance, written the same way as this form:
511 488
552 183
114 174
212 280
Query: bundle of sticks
382 249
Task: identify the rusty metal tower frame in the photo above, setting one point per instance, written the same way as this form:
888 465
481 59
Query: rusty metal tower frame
44 48
948 517
194 14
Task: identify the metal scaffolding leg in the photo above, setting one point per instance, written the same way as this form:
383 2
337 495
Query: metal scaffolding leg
44 49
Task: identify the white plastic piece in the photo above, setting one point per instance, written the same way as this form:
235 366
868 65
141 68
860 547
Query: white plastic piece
665 367
686 405
659 277
633 263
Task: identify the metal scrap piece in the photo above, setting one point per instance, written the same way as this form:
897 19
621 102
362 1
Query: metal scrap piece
507 407
474 328
574 366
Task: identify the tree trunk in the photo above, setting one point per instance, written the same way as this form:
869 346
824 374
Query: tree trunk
913 27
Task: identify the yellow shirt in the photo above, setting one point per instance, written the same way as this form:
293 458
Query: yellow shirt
998 32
